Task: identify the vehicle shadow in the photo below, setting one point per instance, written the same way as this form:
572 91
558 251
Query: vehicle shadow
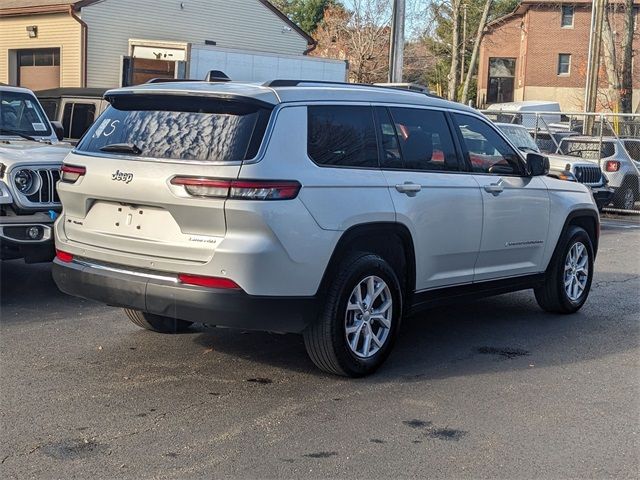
497 333
30 287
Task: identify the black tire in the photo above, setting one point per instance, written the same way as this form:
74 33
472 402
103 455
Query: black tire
626 195
157 323
326 339
552 296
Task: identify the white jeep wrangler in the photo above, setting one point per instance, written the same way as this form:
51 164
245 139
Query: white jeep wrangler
330 210
30 161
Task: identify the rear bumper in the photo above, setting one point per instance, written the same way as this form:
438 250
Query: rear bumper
15 242
602 196
163 296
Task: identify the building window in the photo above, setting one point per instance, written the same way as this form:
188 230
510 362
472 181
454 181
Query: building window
46 57
564 64
567 16
502 72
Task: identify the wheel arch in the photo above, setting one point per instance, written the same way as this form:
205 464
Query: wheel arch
587 219
391 240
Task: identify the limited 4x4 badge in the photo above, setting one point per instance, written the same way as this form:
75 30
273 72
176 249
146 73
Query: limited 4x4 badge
119 176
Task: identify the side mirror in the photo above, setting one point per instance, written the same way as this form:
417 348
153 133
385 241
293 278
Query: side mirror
537 164
58 129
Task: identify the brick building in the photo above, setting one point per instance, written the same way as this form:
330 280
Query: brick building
540 51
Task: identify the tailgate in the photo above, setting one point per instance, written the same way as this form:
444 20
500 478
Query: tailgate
123 199
143 214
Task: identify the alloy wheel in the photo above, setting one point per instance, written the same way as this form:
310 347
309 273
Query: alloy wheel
576 271
368 317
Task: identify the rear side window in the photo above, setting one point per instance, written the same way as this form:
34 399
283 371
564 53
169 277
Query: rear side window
633 149
77 118
179 128
588 150
342 136
424 140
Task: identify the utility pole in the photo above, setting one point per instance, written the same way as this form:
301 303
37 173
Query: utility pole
593 63
463 50
396 48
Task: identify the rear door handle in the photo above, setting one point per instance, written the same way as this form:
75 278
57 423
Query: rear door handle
494 188
409 188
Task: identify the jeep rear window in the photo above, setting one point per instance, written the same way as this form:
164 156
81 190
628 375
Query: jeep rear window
587 150
179 127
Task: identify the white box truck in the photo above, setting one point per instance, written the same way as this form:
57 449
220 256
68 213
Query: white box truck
248 66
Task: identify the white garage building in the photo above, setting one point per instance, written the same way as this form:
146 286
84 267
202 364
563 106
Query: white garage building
108 43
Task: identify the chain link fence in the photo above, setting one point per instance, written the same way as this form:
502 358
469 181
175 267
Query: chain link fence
610 140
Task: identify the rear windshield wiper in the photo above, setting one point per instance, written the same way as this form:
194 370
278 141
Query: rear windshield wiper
122 148
7 131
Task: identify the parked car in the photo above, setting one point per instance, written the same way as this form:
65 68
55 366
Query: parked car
548 141
527 113
30 160
564 167
75 108
613 158
329 211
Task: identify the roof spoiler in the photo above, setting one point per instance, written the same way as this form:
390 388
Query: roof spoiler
212 76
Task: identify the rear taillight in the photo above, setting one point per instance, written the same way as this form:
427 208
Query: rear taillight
239 189
71 173
64 256
612 166
209 282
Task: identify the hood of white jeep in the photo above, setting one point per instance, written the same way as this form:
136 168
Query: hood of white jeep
559 162
32 153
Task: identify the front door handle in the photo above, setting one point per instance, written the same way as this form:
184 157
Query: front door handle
409 188
494 188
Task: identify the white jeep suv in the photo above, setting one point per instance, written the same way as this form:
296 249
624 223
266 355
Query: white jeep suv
330 210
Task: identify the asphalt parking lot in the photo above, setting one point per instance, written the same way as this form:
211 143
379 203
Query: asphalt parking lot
491 389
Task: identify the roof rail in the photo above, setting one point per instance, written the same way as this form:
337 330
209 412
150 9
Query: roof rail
295 83
169 80
282 82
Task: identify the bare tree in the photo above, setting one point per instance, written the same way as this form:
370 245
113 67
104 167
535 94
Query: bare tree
610 62
626 63
476 48
359 35
456 6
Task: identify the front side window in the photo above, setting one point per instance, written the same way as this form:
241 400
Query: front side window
564 64
342 136
417 139
567 16
20 113
178 128
486 150
50 108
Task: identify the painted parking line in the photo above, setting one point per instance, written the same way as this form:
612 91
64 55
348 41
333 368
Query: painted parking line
623 225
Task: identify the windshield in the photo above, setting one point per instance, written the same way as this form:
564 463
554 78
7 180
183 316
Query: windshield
20 114
587 150
178 128
519 137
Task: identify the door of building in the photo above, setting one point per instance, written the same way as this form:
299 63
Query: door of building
501 80
144 69
39 69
